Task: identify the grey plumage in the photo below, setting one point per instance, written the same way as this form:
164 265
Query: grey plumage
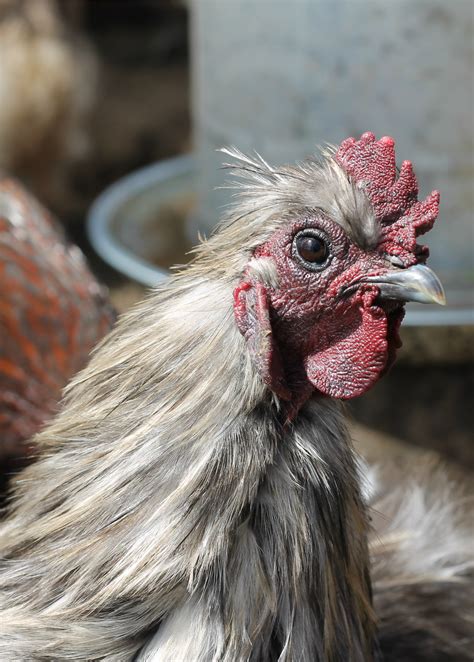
173 512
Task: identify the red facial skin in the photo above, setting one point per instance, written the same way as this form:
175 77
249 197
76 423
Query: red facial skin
317 337
308 334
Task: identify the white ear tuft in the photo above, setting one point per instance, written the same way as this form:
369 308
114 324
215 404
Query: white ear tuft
264 270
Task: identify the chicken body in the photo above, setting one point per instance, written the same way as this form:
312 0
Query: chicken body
197 497
48 80
52 313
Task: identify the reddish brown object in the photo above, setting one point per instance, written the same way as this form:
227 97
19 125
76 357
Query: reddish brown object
52 313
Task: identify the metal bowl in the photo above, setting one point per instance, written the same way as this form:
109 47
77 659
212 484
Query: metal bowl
123 217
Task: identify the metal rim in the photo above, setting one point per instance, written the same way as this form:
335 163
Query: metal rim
112 199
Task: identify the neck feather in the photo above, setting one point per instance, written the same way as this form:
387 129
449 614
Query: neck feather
168 464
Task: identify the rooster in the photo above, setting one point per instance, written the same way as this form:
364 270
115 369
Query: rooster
52 313
197 497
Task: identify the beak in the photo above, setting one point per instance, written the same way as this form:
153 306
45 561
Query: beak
417 283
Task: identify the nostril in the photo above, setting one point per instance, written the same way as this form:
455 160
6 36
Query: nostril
395 260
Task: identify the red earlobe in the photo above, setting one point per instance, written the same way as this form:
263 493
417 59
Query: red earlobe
252 314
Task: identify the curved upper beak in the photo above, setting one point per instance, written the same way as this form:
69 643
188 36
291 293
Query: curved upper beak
417 283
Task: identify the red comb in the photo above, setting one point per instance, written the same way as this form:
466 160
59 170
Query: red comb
371 163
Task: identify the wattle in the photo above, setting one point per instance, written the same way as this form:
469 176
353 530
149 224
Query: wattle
349 365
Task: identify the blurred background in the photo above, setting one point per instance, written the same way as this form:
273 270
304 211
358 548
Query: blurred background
111 112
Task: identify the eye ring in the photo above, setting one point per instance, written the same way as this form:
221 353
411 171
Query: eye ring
311 249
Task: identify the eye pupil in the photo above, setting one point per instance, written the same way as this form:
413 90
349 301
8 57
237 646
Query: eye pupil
312 249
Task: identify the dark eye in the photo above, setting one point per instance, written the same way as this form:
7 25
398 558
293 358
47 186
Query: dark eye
311 248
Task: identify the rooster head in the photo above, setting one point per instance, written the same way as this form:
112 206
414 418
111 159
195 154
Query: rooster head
321 297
